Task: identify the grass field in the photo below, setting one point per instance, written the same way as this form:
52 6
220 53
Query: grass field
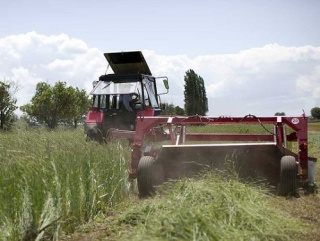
52 182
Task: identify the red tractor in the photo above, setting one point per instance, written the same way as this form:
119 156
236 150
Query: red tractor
120 97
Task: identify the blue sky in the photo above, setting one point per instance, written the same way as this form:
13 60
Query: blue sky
254 56
169 27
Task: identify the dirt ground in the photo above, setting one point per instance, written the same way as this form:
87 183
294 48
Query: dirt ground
307 209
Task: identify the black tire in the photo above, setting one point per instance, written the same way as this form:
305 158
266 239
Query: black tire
145 176
288 176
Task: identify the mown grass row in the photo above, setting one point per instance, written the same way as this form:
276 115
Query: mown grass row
50 182
215 206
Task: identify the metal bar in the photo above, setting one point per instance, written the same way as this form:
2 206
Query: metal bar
122 134
229 137
222 144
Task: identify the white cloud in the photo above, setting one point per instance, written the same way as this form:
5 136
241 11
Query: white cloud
31 57
27 81
310 83
259 81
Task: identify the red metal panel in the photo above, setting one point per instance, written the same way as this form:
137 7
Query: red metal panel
94 116
146 112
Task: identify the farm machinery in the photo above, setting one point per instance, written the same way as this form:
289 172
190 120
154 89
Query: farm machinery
168 147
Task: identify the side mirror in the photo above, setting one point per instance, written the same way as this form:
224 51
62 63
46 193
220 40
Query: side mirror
166 83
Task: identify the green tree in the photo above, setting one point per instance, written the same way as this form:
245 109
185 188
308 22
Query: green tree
279 114
179 110
170 109
315 112
59 103
195 97
167 109
81 106
7 104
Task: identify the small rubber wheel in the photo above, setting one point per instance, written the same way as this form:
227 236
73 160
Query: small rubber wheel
288 176
145 176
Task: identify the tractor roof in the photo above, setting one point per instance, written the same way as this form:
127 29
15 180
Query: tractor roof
128 63
122 78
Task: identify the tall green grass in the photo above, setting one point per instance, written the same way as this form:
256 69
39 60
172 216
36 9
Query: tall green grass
51 181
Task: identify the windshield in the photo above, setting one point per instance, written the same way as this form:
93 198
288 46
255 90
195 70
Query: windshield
110 95
111 88
151 93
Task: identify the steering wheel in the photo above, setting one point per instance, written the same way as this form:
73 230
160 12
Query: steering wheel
135 97
134 103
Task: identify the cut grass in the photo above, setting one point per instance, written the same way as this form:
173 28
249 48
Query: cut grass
212 207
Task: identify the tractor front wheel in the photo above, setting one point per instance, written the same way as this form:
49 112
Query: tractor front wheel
145 176
288 176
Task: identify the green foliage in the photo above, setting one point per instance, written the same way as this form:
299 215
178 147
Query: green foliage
170 109
232 128
179 110
52 181
81 105
59 103
195 97
279 114
315 112
7 106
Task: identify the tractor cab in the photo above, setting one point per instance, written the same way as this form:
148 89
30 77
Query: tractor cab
117 99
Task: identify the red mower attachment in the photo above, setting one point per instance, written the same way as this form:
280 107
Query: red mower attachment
184 153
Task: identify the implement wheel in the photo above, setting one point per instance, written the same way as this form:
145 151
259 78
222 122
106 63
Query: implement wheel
288 176
145 176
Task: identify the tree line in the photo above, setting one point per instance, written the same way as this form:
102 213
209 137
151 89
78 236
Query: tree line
315 113
53 105
7 104
62 104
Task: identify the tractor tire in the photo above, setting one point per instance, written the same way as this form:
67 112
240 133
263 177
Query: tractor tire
288 176
145 176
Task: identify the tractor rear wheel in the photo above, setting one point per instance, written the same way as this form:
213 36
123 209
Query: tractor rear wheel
145 176
288 176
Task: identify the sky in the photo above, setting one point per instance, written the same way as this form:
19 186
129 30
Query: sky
256 56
